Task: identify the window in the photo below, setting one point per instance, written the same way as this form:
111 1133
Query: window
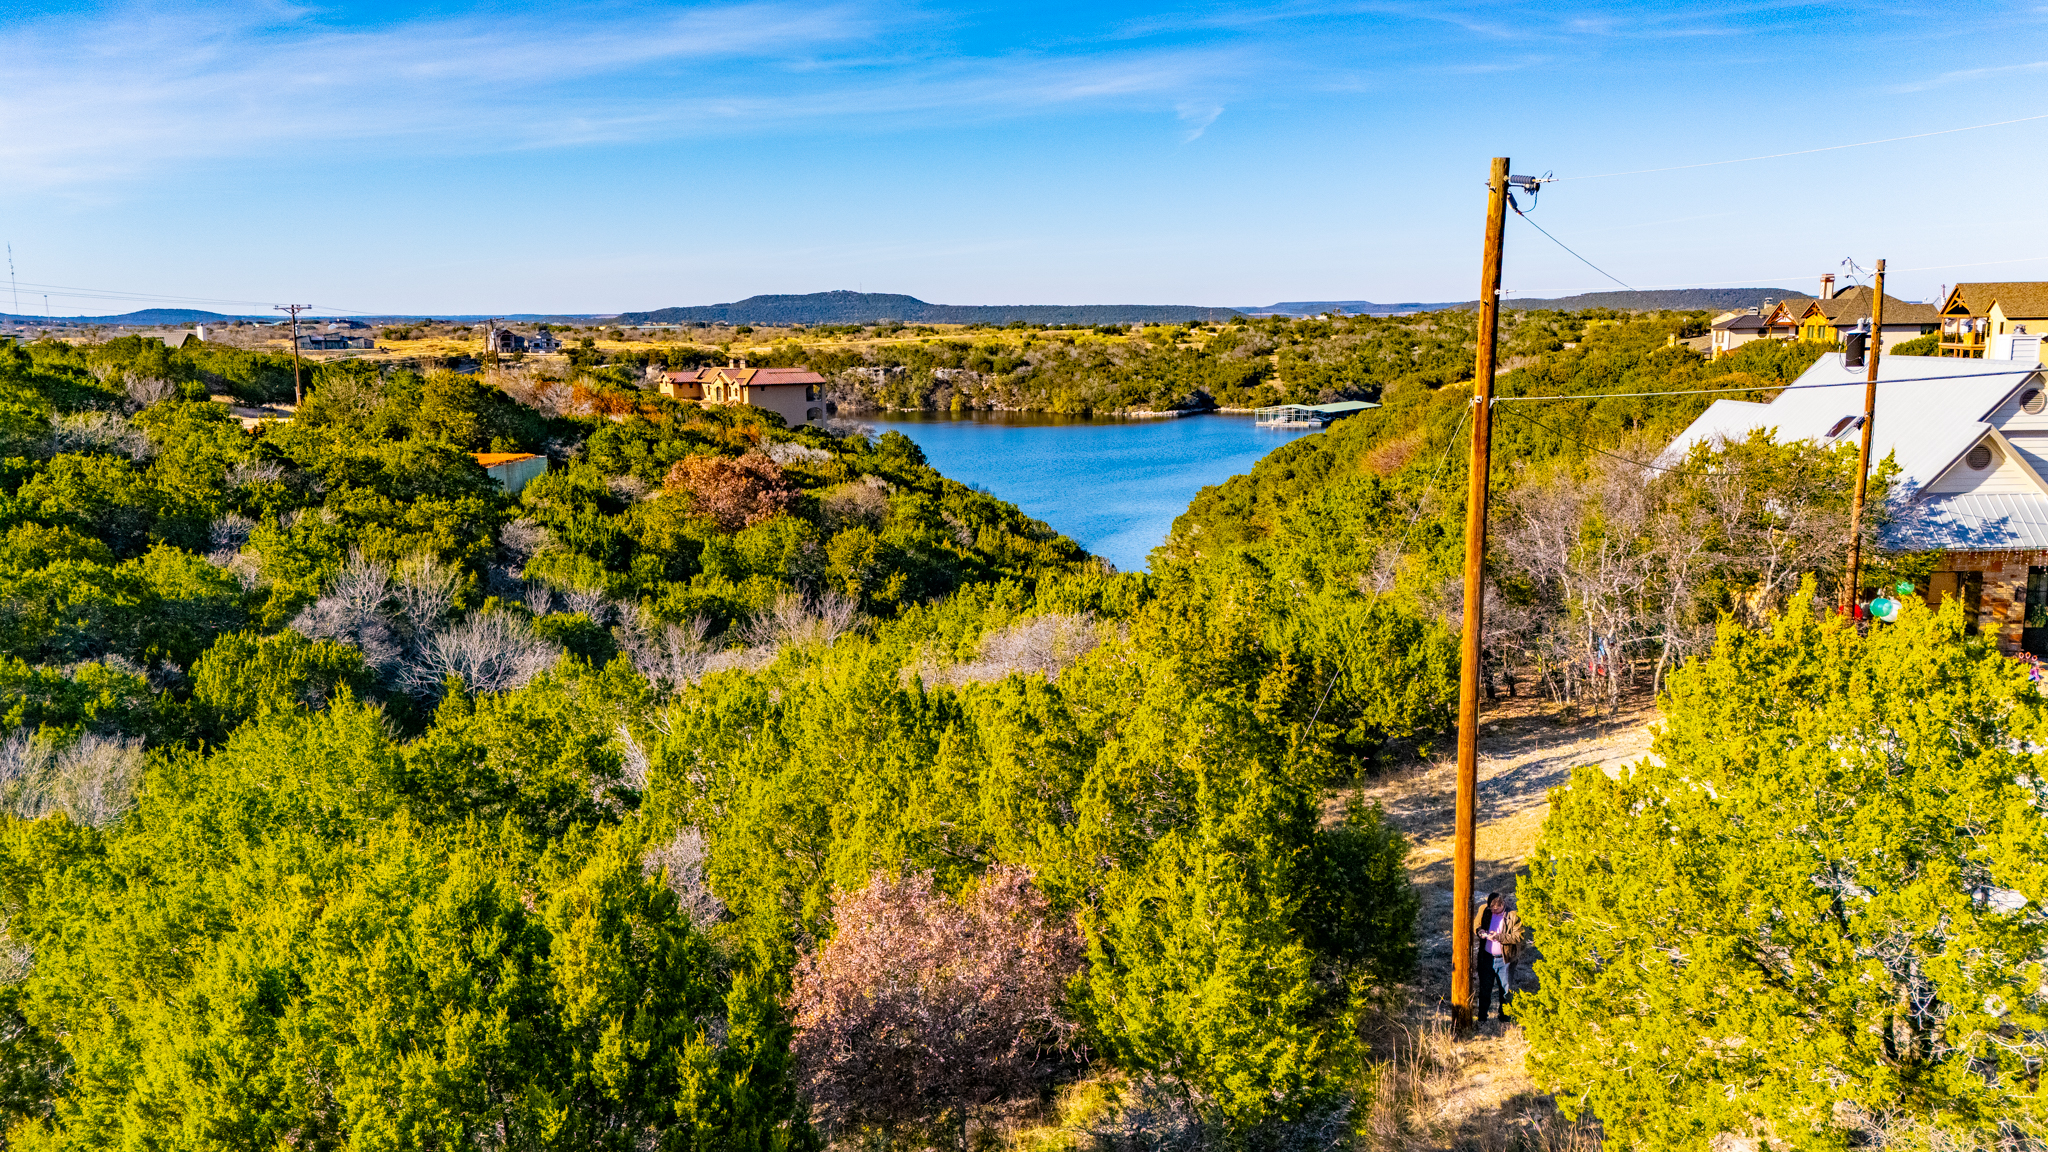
1979 458
2032 402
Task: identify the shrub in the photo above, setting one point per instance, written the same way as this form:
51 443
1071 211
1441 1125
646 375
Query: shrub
734 492
923 1007
1818 906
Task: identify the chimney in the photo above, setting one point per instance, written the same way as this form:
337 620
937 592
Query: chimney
1827 286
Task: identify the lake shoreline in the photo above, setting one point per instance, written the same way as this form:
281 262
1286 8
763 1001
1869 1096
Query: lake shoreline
1113 484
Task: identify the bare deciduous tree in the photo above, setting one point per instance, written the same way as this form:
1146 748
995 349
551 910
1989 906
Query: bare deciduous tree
788 453
1040 646
100 432
862 501
92 780
143 391
353 611
540 598
255 472
226 536
797 619
424 592
671 656
631 489
522 539
97 778
1624 562
683 859
489 652
591 602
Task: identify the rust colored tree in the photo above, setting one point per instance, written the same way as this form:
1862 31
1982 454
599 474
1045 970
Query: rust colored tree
735 492
922 1009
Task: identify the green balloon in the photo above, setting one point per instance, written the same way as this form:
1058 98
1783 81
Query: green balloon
1905 588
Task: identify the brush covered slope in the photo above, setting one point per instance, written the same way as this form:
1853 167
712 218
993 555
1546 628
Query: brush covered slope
350 799
1245 363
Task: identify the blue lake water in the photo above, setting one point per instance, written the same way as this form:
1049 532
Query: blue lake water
1114 486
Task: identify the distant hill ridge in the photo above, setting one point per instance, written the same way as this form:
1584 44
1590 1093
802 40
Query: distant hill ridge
1674 300
133 319
869 307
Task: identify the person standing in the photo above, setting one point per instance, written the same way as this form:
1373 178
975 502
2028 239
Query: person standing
1497 930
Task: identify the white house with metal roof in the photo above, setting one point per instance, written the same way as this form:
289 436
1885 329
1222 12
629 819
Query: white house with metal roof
1971 441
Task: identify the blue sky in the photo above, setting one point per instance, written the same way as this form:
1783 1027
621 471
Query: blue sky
455 158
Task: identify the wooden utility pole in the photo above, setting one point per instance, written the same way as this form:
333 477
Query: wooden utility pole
298 389
1475 594
1871 352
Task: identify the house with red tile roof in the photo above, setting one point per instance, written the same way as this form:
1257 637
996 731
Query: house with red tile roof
796 394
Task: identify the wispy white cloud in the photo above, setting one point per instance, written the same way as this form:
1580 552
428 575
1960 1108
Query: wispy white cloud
1197 115
1967 74
143 91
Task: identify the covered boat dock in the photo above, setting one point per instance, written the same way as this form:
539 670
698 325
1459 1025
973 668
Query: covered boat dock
1308 415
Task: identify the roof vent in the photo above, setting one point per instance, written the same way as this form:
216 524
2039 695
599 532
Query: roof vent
1979 458
2032 402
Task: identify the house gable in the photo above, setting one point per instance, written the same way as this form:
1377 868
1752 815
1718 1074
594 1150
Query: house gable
2011 414
1993 466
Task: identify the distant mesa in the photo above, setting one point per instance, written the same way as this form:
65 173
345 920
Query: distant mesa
874 307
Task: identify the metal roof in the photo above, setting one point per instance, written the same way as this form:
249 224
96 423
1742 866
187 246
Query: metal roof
1336 409
1930 410
1971 521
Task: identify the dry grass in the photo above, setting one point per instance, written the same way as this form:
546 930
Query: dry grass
1388 458
1436 1091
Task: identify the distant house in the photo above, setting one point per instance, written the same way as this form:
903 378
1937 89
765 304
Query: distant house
1734 329
797 394
333 342
1975 316
1829 319
1971 442
512 470
1781 318
543 341
345 325
504 340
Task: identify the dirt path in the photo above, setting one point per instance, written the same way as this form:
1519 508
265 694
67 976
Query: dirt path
1475 1093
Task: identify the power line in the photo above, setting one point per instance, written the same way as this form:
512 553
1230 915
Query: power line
1753 280
1561 244
1765 387
1809 151
73 291
1617 456
1407 535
